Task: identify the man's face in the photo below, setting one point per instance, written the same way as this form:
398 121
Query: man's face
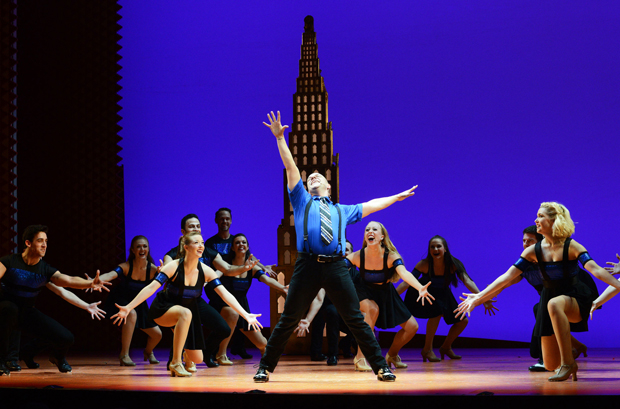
529 239
192 224
223 221
348 249
38 246
317 185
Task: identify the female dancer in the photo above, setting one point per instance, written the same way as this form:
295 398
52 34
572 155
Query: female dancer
380 265
176 306
564 299
135 274
439 269
238 286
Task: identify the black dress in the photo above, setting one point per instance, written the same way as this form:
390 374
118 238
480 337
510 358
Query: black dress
125 292
176 292
444 303
562 278
239 288
375 285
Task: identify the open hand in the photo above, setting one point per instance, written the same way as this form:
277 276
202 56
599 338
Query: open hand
270 272
275 125
489 308
98 284
253 323
95 311
616 266
303 328
424 294
121 316
406 193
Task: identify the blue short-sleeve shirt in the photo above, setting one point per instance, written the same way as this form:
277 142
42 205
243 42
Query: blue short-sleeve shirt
299 198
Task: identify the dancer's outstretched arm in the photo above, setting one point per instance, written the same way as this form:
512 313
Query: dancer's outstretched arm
375 205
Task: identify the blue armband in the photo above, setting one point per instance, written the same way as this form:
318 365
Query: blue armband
161 278
584 258
522 264
119 270
214 283
398 262
259 273
348 262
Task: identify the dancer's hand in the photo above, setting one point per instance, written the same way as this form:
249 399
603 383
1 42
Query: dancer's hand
466 307
406 194
275 125
303 328
616 266
270 272
161 265
253 323
95 311
98 284
424 294
249 264
489 307
121 316
285 290
594 307
88 290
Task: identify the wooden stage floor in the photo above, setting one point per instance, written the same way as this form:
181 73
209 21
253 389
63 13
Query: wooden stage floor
480 372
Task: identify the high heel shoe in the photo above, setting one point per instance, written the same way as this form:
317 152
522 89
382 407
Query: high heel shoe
580 350
429 356
395 360
150 357
449 352
178 370
564 372
223 360
190 366
126 360
361 365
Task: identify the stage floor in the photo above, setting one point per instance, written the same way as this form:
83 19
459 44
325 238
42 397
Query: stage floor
490 371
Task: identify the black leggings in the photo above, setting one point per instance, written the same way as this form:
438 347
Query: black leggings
46 332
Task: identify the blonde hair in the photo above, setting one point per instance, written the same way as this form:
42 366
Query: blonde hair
563 226
185 241
387 244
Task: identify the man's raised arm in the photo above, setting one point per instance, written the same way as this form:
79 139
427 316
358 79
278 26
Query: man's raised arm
381 203
292 172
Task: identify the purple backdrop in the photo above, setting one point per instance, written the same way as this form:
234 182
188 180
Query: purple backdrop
490 108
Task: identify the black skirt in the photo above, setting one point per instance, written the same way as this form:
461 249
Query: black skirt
121 298
218 304
443 305
163 302
392 310
578 290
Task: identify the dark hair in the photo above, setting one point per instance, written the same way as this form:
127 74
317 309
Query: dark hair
347 240
232 254
31 232
450 263
132 256
532 230
224 209
186 218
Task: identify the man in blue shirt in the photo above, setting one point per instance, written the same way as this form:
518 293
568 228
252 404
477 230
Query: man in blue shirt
320 229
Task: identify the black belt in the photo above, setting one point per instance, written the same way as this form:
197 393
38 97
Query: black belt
570 281
320 257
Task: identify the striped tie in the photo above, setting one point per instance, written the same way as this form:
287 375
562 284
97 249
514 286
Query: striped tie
327 234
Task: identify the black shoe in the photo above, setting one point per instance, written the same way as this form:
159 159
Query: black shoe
210 362
318 357
538 367
385 375
30 363
241 352
13 366
61 364
332 360
4 370
262 375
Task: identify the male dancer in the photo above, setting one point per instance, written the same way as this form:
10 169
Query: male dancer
320 227
22 277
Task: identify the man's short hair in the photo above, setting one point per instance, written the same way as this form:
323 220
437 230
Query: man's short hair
186 218
31 232
223 209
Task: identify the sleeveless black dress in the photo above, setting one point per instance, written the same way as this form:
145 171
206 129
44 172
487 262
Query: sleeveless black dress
376 285
239 288
444 303
125 292
562 278
176 292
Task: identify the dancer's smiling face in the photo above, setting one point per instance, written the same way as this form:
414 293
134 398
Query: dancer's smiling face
317 185
240 245
140 249
195 246
373 234
544 223
437 248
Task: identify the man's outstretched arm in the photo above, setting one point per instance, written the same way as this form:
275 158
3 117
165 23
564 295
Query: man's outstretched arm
292 172
381 203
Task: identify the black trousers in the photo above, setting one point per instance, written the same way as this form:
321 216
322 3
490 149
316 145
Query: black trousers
46 332
536 342
308 278
212 319
327 316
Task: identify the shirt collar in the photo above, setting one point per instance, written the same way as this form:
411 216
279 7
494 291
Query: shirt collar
320 197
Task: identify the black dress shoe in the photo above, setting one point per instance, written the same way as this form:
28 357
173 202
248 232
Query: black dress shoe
4 370
210 362
62 364
30 363
332 360
385 375
262 375
13 366
241 352
318 357
538 367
